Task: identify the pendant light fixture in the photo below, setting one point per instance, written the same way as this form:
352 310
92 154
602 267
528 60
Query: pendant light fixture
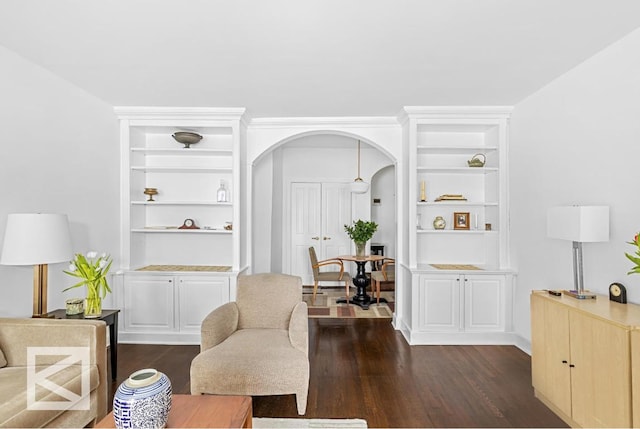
359 186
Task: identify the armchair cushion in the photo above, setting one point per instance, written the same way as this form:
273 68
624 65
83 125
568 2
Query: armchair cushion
223 370
262 304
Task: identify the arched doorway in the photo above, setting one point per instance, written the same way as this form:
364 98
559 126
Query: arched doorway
279 155
303 182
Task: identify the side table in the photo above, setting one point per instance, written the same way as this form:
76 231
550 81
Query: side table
110 317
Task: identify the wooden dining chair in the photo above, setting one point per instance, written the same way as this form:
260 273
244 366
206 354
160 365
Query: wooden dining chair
327 276
387 273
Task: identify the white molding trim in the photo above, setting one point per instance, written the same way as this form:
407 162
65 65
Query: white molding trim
339 121
417 338
176 113
169 338
523 344
477 112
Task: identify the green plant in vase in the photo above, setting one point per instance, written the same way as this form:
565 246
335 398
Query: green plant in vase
360 232
92 269
635 258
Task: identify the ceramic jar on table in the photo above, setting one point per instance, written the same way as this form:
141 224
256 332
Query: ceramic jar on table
143 400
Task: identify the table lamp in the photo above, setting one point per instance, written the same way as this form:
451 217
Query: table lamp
580 224
37 239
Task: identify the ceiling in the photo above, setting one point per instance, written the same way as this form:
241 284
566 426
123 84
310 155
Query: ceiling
287 58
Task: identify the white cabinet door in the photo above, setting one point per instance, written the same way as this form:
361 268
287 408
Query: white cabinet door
439 303
484 302
197 297
149 303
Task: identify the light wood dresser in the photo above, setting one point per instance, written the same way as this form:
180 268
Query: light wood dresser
585 359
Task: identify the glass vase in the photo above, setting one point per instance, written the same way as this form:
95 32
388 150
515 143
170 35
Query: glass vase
360 248
92 306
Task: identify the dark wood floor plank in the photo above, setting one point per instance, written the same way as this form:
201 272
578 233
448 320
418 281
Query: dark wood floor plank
363 368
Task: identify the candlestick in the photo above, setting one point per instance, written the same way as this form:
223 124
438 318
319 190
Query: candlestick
423 194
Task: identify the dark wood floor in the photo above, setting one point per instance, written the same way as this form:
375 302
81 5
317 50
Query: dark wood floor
362 368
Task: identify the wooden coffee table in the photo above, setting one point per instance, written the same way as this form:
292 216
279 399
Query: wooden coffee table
203 411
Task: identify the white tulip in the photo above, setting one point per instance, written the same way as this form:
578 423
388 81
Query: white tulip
92 254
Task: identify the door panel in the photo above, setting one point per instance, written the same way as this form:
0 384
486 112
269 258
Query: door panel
336 212
440 303
306 227
600 378
557 356
484 303
149 303
198 296
319 212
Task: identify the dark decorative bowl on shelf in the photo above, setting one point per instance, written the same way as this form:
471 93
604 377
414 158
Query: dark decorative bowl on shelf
186 138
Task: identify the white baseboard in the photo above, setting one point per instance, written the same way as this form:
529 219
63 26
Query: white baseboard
523 344
169 338
460 338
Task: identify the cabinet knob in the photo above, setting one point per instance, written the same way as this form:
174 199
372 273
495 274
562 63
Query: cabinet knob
564 361
315 238
571 365
326 238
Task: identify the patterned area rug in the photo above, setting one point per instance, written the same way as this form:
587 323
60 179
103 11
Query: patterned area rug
326 306
212 268
264 422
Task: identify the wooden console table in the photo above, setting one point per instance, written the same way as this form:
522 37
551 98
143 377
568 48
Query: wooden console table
203 411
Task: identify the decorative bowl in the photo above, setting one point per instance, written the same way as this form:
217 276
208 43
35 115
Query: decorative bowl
186 138
150 192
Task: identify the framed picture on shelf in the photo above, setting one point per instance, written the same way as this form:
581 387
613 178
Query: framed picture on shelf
461 220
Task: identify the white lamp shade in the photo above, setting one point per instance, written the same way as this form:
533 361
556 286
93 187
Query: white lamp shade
359 186
579 223
36 238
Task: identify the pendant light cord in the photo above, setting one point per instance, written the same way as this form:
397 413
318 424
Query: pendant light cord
358 161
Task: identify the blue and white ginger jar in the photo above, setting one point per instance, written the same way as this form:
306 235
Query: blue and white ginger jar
143 400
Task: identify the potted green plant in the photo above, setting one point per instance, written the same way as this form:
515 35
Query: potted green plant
360 232
92 270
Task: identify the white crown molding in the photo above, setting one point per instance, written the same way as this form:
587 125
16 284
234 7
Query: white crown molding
173 113
338 121
421 112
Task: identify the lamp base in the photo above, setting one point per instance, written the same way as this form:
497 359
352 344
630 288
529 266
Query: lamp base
43 316
585 294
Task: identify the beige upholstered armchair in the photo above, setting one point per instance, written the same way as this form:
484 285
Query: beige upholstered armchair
257 345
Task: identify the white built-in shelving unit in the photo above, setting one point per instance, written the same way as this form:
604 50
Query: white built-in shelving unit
168 305
455 304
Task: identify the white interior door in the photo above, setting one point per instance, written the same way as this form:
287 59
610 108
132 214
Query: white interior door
319 212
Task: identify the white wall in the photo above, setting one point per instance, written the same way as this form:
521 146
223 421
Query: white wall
383 186
59 154
577 141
